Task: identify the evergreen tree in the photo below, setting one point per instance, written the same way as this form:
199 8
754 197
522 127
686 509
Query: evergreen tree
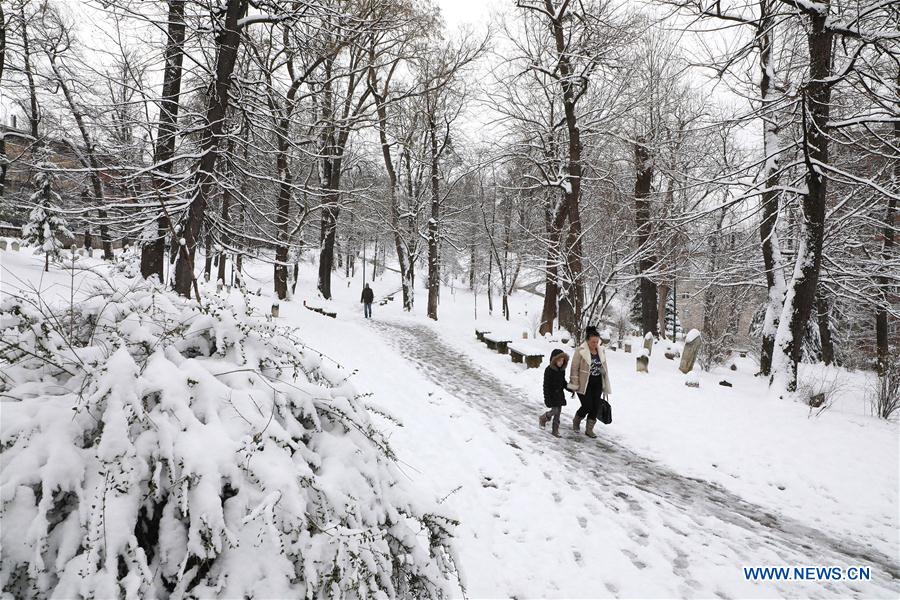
670 315
634 313
44 226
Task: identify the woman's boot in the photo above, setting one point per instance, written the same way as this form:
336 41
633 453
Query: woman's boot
555 431
576 423
543 419
589 428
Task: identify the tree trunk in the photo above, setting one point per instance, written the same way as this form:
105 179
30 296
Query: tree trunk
802 293
570 318
551 275
208 257
771 199
663 298
227 42
3 159
33 115
882 346
642 186
823 317
153 253
226 204
283 206
330 213
434 281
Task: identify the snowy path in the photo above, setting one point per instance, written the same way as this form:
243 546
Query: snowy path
699 531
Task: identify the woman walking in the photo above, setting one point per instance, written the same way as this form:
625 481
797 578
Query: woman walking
590 378
554 388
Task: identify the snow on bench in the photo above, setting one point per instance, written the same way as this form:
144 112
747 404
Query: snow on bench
321 310
497 342
530 354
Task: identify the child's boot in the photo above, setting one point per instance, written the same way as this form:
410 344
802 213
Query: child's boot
576 423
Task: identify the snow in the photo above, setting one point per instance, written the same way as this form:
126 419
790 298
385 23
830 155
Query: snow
682 490
692 335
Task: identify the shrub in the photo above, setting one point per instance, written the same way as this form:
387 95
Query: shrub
164 449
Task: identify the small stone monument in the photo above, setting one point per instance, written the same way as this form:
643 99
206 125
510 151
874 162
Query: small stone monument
627 347
691 349
275 309
2 244
693 379
15 246
648 343
670 355
643 363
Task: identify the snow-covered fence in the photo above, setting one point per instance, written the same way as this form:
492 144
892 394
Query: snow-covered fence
156 448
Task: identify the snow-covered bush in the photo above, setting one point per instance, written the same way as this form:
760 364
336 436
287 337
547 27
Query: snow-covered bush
165 449
44 227
885 395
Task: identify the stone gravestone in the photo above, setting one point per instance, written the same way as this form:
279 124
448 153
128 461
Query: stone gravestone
643 362
692 380
648 343
15 246
275 309
628 347
691 349
2 244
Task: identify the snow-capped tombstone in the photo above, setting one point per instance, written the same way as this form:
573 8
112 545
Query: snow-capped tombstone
692 379
670 355
275 309
691 350
2 244
648 343
643 363
14 246
627 347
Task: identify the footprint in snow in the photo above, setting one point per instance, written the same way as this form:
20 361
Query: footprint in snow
488 482
634 559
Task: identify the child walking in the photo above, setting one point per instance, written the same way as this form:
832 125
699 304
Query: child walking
555 385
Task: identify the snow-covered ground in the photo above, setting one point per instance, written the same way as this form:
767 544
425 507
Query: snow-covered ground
685 488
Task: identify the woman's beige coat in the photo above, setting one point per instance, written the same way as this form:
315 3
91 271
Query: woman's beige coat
580 371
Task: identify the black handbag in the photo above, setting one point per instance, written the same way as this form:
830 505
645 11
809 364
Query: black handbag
604 413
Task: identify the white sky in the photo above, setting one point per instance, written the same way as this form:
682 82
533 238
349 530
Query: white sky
474 13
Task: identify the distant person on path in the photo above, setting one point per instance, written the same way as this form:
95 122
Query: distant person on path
590 378
368 296
554 389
